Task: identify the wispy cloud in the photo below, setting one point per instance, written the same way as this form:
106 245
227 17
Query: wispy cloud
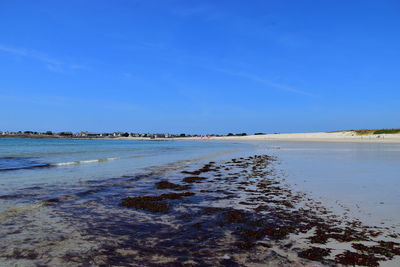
78 67
264 81
66 102
13 50
268 26
207 12
275 85
190 10
128 75
177 57
51 63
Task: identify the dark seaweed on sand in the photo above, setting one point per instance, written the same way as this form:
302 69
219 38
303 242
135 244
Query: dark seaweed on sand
168 185
232 213
193 179
153 203
315 253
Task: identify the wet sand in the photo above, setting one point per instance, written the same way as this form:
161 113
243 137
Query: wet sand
237 212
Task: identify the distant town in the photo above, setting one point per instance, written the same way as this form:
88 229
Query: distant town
85 134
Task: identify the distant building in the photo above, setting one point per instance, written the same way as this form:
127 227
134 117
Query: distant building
69 134
118 134
160 135
82 134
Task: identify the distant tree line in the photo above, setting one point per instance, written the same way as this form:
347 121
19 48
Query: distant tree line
238 134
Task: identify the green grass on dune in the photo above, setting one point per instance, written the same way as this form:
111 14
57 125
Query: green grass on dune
364 132
371 131
387 131
377 131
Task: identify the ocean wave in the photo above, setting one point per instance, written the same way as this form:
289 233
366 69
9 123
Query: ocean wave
25 167
14 164
68 152
78 162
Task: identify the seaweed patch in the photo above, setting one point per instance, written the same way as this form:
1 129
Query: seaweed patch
168 185
353 258
315 253
193 179
153 203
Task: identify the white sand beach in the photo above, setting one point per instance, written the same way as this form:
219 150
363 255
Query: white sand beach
346 136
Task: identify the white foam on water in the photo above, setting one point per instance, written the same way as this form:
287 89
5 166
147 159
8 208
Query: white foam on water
83 161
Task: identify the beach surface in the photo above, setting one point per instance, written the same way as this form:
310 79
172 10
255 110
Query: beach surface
177 203
347 136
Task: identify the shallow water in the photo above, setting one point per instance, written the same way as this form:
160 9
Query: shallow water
364 178
33 162
38 169
67 212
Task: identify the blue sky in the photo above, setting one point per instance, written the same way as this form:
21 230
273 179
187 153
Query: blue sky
199 66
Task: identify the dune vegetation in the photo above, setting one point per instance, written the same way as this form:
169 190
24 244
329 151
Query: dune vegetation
377 131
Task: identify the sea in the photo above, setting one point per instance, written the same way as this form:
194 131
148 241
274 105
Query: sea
38 169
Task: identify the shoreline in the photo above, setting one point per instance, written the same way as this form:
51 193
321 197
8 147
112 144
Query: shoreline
324 137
